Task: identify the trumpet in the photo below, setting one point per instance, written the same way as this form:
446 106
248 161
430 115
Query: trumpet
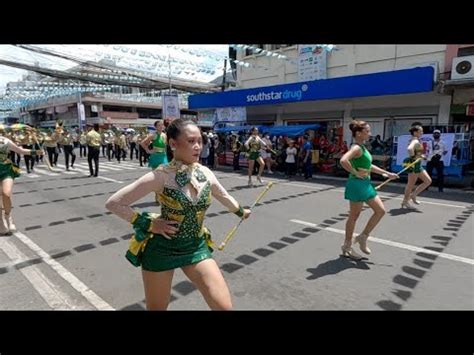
59 127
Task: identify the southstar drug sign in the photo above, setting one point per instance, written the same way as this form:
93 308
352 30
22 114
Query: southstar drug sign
396 82
295 95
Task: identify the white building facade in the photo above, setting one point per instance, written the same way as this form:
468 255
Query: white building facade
391 103
389 115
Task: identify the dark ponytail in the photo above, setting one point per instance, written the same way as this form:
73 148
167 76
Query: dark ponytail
415 128
357 126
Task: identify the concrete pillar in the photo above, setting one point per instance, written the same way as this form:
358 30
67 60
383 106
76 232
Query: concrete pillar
351 61
279 120
444 109
281 69
279 114
345 124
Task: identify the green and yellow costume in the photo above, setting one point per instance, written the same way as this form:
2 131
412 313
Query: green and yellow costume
418 152
192 243
7 168
254 144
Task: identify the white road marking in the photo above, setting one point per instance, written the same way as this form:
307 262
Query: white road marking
134 166
84 172
392 244
118 166
420 201
77 284
54 297
84 169
109 179
45 172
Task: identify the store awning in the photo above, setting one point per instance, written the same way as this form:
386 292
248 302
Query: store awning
396 82
289 131
236 129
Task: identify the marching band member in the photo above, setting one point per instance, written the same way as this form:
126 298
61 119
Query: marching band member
8 173
254 144
415 151
358 162
177 238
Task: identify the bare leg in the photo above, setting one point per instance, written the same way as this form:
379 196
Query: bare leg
251 165
3 225
412 178
260 168
426 182
157 289
7 186
207 277
354 213
379 211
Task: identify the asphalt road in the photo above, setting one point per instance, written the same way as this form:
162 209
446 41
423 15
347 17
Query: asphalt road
69 251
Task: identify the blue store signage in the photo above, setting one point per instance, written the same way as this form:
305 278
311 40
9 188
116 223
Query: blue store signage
396 82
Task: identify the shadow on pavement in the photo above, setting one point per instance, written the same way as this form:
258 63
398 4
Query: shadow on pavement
402 211
459 195
335 266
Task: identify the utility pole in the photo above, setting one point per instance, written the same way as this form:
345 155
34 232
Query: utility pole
169 71
224 75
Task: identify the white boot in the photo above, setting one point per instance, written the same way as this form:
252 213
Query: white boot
9 220
3 226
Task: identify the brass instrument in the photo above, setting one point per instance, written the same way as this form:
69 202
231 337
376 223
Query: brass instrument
59 127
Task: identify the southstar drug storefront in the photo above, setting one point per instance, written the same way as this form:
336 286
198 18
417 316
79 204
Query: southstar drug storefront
390 101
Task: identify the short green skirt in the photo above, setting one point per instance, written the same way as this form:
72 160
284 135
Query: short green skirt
415 169
162 254
359 190
156 159
9 170
254 155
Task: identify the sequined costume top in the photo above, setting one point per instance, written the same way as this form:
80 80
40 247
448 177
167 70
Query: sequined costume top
7 168
184 192
255 143
4 149
418 150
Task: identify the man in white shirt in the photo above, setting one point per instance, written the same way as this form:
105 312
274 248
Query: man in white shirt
437 149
